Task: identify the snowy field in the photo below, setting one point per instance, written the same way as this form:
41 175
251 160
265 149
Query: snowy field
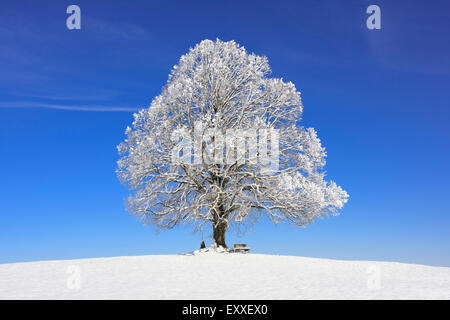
221 276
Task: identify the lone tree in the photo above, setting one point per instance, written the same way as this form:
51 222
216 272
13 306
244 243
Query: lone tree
221 145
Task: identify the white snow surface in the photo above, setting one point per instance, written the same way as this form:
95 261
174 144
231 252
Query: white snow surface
215 274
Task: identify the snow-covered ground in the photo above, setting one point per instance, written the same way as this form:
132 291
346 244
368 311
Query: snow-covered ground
212 275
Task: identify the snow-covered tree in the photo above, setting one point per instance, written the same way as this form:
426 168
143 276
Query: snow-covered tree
221 146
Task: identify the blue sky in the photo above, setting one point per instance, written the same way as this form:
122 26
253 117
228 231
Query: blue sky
379 100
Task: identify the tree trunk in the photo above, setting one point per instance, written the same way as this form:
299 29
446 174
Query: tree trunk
219 230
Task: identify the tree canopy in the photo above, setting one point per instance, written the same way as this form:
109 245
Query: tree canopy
222 145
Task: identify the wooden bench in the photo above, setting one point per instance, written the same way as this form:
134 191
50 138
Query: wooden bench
241 247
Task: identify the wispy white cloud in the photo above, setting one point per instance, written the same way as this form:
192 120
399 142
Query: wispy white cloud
116 30
25 104
98 95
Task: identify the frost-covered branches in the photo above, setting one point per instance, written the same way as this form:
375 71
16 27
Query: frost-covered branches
218 88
